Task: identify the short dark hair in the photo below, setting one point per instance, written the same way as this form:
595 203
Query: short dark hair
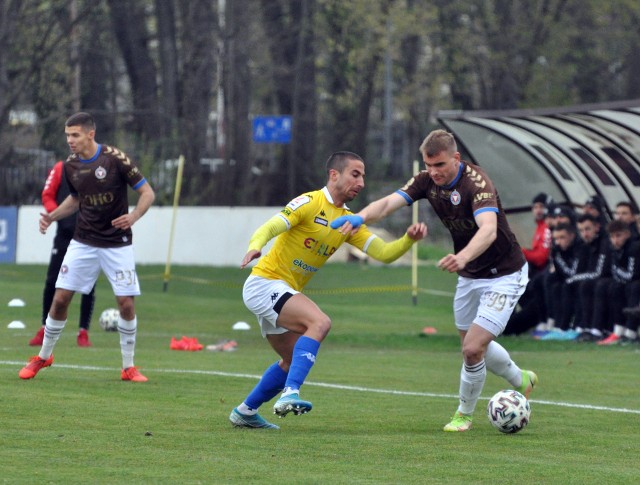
617 226
338 160
563 226
596 202
85 120
543 199
631 206
588 217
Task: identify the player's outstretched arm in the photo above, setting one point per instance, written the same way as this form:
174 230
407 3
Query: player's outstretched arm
375 211
389 252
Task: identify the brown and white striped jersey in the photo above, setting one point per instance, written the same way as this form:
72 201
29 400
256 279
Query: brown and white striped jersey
100 184
457 204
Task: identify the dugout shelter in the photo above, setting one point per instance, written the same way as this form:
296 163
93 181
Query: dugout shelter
570 153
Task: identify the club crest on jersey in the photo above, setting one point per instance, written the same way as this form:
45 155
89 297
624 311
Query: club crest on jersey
455 197
101 173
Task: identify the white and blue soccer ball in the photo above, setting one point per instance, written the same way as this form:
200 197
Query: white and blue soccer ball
109 319
509 411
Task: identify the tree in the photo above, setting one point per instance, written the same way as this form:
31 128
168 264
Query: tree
354 35
236 84
197 80
320 61
129 24
289 27
10 11
169 88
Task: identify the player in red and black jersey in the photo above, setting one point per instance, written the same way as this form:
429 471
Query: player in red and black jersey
98 177
55 190
491 267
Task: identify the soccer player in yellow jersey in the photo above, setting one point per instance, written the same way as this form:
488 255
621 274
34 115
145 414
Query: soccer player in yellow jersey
292 323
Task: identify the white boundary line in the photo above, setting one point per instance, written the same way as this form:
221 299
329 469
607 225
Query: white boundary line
335 386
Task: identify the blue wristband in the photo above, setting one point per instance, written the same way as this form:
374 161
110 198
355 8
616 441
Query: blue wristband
356 221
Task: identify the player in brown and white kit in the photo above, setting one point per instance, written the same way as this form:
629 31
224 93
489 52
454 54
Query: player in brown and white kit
98 177
491 267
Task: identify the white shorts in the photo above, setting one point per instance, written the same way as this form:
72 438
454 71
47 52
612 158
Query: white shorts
82 264
488 302
264 298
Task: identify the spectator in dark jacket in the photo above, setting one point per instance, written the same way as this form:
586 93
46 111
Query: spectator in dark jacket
593 263
610 293
627 213
595 207
564 265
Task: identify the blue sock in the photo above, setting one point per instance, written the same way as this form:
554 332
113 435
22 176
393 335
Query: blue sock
304 356
271 383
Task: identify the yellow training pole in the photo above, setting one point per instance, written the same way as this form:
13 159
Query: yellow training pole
414 249
176 198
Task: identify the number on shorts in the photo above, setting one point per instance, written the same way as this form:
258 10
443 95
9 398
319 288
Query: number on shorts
126 277
497 300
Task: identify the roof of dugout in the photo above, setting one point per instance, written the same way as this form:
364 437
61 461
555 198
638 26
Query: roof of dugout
570 153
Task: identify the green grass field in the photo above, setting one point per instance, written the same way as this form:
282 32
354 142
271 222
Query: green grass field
381 393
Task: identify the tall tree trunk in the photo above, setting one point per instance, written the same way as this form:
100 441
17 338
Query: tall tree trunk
304 109
95 63
350 84
237 86
128 20
166 16
9 10
456 63
289 27
198 78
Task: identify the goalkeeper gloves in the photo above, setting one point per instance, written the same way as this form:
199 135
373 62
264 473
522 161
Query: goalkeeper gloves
356 221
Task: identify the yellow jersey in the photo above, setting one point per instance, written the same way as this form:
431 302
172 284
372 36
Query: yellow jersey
299 252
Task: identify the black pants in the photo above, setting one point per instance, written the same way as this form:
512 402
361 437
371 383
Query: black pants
632 291
609 300
532 307
60 245
560 303
584 302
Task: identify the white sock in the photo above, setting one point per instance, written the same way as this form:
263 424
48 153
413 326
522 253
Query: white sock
52 330
499 363
127 330
472 379
290 390
542 326
246 410
618 330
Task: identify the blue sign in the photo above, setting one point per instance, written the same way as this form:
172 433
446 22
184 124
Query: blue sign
272 129
8 234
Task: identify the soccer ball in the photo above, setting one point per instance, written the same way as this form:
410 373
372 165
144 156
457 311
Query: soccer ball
508 411
109 319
